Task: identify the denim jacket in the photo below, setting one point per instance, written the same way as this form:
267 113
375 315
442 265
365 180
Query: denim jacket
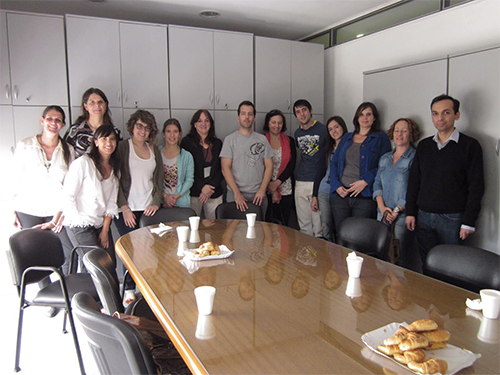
373 147
391 181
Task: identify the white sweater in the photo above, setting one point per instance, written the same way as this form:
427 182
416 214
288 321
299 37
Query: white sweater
85 201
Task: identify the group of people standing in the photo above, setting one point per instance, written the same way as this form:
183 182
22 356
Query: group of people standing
91 176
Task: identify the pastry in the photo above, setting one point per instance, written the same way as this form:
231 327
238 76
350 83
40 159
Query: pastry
389 349
398 337
417 355
414 341
436 345
422 325
431 366
437 335
206 249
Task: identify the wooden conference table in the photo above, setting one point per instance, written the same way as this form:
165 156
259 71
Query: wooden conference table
281 305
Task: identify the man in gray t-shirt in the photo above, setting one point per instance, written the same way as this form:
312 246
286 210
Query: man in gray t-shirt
246 161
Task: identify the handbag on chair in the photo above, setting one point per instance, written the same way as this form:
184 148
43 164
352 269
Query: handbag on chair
393 255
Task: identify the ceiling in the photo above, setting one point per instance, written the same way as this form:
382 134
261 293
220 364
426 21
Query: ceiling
285 19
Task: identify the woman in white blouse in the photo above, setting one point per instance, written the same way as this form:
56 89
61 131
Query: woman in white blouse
91 190
41 163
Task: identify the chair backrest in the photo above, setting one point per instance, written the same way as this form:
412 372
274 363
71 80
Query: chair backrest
100 266
468 267
117 347
165 215
229 210
367 236
34 247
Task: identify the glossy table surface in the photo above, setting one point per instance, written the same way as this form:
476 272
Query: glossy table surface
281 305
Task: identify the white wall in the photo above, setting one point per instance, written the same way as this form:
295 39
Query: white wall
469 27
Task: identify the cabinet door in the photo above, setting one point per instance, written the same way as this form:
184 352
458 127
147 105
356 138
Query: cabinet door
233 64
308 71
191 68
272 74
144 65
7 140
5 89
474 79
93 58
37 59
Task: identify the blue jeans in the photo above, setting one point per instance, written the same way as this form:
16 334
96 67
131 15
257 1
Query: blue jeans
436 229
342 208
326 216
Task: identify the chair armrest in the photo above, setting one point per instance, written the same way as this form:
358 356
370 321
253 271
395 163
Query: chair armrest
74 253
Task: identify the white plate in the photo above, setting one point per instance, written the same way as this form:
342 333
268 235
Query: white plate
457 358
224 253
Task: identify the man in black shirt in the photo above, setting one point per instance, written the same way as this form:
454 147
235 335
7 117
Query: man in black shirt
446 181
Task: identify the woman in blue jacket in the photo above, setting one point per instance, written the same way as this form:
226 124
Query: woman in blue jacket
178 166
355 164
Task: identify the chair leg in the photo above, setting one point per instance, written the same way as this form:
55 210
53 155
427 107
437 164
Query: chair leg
20 328
75 339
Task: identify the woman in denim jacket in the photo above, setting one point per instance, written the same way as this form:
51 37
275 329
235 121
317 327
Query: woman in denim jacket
354 166
391 182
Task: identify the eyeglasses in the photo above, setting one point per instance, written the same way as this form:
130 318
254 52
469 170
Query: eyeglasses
142 127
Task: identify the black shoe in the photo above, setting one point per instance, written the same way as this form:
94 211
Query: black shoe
52 311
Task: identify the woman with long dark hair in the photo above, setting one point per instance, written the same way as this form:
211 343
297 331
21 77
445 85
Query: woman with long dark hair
41 165
91 190
95 112
320 201
202 143
280 188
354 166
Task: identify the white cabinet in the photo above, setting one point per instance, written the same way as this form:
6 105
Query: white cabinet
144 65
209 69
93 47
33 49
286 71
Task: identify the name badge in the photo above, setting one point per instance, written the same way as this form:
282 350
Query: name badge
206 172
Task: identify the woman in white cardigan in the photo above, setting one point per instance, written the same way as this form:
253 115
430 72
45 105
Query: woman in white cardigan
91 190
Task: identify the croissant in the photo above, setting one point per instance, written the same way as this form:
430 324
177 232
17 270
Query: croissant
437 335
432 366
389 349
414 341
436 345
398 337
422 325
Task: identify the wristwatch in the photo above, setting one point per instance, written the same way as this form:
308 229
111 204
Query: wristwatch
397 209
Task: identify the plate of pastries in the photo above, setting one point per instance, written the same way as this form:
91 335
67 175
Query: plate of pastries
421 347
208 251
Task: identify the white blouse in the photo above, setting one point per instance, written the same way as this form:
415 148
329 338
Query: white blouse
38 182
87 198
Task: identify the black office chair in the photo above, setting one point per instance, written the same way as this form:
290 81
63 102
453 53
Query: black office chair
368 236
100 266
36 254
467 267
229 210
165 215
117 347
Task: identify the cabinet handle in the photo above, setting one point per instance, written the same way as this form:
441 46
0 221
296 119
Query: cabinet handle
289 103
217 97
497 148
211 98
7 91
118 96
125 96
15 92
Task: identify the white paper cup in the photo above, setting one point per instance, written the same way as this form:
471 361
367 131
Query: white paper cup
205 328
490 302
182 233
194 222
489 331
354 266
195 236
251 232
353 289
251 219
204 299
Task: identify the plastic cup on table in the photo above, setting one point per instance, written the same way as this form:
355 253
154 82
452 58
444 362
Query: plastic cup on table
354 264
182 233
251 218
194 222
205 299
490 303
